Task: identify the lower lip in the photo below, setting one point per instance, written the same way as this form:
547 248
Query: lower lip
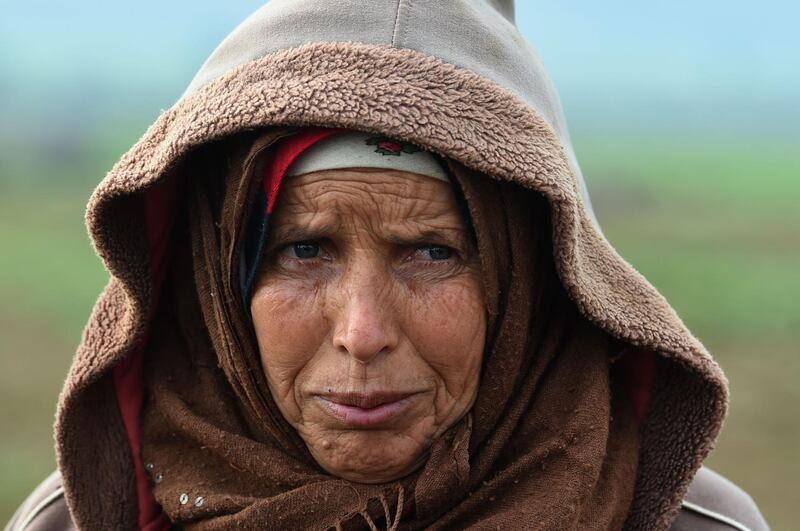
359 417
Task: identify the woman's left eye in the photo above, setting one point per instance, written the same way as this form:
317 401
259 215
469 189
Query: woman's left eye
304 250
436 252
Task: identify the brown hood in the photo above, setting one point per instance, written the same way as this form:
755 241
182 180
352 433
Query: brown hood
414 97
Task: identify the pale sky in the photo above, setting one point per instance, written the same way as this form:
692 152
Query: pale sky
730 64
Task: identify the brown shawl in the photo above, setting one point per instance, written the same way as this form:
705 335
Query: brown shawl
552 441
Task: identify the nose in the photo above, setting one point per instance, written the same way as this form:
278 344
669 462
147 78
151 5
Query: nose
364 325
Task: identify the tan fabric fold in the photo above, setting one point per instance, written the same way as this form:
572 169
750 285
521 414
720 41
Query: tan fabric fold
551 443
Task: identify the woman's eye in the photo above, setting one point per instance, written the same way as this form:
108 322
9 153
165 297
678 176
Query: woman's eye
304 250
436 252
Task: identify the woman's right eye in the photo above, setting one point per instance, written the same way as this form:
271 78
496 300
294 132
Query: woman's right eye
303 250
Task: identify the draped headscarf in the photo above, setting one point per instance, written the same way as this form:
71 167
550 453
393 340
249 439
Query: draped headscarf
552 441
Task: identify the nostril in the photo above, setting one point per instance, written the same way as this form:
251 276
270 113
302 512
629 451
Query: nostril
364 324
364 343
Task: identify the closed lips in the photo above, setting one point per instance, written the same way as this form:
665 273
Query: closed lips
364 410
366 400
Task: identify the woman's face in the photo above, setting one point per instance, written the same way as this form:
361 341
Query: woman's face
369 316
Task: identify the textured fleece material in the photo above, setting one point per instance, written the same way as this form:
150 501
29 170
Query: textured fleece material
476 35
460 113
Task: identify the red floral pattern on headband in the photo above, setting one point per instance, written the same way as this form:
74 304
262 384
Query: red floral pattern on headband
388 146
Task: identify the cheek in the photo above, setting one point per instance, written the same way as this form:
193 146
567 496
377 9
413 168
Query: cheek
290 328
448 328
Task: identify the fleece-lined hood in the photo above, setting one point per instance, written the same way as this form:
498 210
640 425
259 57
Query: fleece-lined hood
476 35
455 78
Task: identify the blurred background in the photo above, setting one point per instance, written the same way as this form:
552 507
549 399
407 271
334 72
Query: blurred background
685 118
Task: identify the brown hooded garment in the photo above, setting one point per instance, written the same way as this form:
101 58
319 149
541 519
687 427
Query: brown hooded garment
596 406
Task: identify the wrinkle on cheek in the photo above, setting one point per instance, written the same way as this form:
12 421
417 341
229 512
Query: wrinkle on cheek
448 325
289 329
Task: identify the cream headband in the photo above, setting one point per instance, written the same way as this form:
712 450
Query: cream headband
366 150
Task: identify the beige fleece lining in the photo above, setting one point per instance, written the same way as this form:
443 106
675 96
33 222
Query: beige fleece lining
448 110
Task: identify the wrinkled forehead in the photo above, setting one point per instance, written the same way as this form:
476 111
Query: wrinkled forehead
370 196
342 171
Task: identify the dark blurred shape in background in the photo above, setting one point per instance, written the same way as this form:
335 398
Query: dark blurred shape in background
686 122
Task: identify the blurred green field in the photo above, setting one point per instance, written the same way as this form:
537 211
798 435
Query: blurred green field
713 225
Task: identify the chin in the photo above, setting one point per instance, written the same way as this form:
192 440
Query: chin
375 474
371 457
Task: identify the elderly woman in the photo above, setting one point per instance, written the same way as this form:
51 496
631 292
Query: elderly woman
356 283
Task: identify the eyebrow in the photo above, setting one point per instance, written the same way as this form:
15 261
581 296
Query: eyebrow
428 236
301 233
290 233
